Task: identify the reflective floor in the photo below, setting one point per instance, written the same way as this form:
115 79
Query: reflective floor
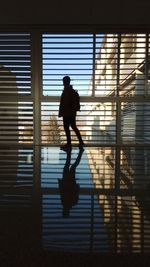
82 205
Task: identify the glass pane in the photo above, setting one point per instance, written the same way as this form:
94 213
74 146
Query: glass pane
96 121
66 54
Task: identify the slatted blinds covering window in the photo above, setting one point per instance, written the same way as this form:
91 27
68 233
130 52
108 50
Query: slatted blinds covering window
106 62
16 122
132 64
120 64
95 122
99 65
15 63
66 54
135 122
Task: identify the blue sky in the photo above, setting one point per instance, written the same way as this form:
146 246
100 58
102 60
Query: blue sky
67 54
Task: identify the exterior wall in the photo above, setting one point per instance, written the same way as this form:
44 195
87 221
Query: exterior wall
131 83
134 115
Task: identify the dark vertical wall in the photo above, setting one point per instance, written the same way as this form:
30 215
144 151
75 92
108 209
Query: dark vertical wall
75 12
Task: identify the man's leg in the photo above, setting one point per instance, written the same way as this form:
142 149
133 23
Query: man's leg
67 130
76 130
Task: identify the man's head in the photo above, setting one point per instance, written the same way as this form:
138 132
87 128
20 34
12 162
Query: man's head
66 80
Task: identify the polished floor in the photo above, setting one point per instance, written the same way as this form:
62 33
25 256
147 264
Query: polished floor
81 207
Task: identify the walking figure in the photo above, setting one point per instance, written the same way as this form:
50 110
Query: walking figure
69 105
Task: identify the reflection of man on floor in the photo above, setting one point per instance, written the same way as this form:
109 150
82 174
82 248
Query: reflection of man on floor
69 189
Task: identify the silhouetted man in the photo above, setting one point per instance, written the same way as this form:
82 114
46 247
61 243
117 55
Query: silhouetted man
68 111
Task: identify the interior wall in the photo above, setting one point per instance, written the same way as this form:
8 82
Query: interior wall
75 12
